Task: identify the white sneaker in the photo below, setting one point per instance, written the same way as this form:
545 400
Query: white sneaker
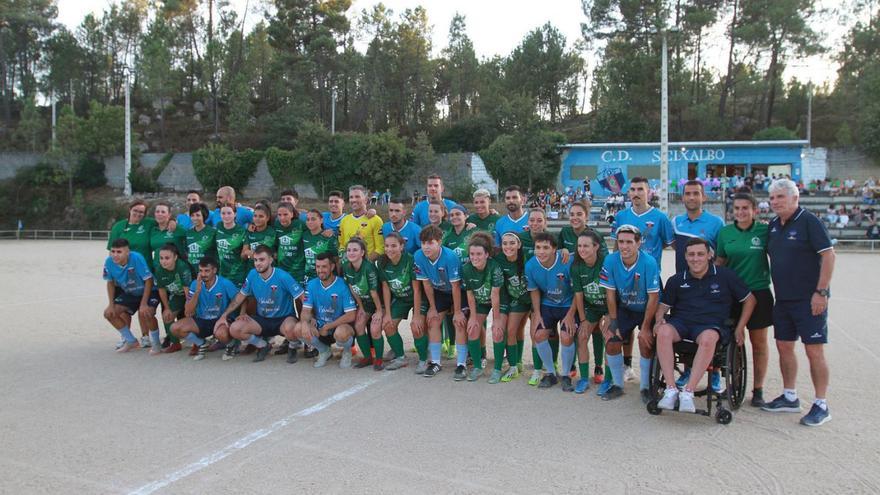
345 360
629 375
668 400
120 343
145 341
323 357
686 402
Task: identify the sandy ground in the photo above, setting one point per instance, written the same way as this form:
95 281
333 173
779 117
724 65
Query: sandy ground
77 417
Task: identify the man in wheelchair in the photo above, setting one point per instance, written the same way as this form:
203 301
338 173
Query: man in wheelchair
700 299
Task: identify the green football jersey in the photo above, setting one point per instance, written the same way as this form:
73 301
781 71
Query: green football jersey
484 224
315 244
481 282
362 282
399 277
200 244
568 239
137 235
515 284
528 245
458 242
229 245
746 253
290 249
159 238
175 282
586 279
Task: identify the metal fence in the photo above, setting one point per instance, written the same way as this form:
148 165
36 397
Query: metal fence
67 235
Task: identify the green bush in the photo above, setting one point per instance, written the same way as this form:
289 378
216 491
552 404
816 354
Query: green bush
216 165
89 173
142 180
774 134
284 166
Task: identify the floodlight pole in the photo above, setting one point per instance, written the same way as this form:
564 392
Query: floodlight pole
664 131
127 179
333 112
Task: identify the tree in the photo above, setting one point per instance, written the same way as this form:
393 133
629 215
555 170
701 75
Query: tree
31 126
529 157
459 70
155 67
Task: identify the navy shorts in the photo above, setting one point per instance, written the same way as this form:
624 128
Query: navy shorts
762 316
443 301
132 303
793 319
270 327
627 321
206 327
553 316
690 331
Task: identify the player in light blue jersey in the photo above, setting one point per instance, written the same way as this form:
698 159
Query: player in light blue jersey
549 284
275 291
408 230
438 268
336 207
329 311
226 197
516 220
129 291
434 189
632 291
207 298
192 197
696 222
654 225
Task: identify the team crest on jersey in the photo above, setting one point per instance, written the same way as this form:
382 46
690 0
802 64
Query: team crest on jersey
218 296
284 241
222 243
194 247
273 288
792 235
131 270
560 276
756 241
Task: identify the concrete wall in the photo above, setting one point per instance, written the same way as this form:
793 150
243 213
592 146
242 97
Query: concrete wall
13 161
843 163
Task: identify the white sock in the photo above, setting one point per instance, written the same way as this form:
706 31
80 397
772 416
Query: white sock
821 403
790 394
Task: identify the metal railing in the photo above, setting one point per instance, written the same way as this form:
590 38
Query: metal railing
68 235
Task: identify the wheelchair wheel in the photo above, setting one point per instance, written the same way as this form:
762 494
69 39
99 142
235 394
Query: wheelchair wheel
657 385
736 374
723 416
653 408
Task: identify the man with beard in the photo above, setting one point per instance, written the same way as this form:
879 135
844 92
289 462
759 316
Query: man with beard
516 220
226 197
435 193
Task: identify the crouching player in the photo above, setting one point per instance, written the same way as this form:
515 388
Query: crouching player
329 311
700 298
173 277
129 291
632 288
207 298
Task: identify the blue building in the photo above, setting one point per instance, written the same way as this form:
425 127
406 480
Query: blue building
610 165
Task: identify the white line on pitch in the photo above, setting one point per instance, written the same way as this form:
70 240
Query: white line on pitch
247 440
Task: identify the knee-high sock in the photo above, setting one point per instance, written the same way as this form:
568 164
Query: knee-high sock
536 358
520 346
396 343
498 353
256 341
644 372
155 339
421 344
364 344
554 346
461 354
546 354
568 352
434 349
615 362
598 349
475 349
346 345
126 334
194 339
171 337
320 346
513 357
379 345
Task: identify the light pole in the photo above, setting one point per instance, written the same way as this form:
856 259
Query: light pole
333 111
810 114
664 130
127 179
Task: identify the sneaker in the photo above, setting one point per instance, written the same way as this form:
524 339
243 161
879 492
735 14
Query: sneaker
345 360
433 369
536 377
145 341
781 404
230 352
475 374
582 385
323 357
262 352
120 343
310 352
758 398
598 374
283 348
566 384
363 362
460 373
629 375
292 356
670 396
686 402
603 388
715 382
548 381
203 352
172 348
495 377
396 363
194 349
511 374
645 394
389 355
128 346
683 379
378 365
421 367
817 416
612 393
156 350
166 342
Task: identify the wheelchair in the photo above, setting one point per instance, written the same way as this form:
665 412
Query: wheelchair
729 359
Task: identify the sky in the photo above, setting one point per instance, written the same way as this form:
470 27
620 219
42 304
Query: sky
497 26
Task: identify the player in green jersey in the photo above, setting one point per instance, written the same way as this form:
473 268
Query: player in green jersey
437 215
568 235
457 237
230 240
515 307
316 241
135 229
589 298
482 280
361 276
173 276
537 224
165 231
483 218
201 238
260 232
742 246
401 292
288 235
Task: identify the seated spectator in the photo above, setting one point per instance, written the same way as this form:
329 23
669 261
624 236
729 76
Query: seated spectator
873 231
842 218
764 206
831 214
855 215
